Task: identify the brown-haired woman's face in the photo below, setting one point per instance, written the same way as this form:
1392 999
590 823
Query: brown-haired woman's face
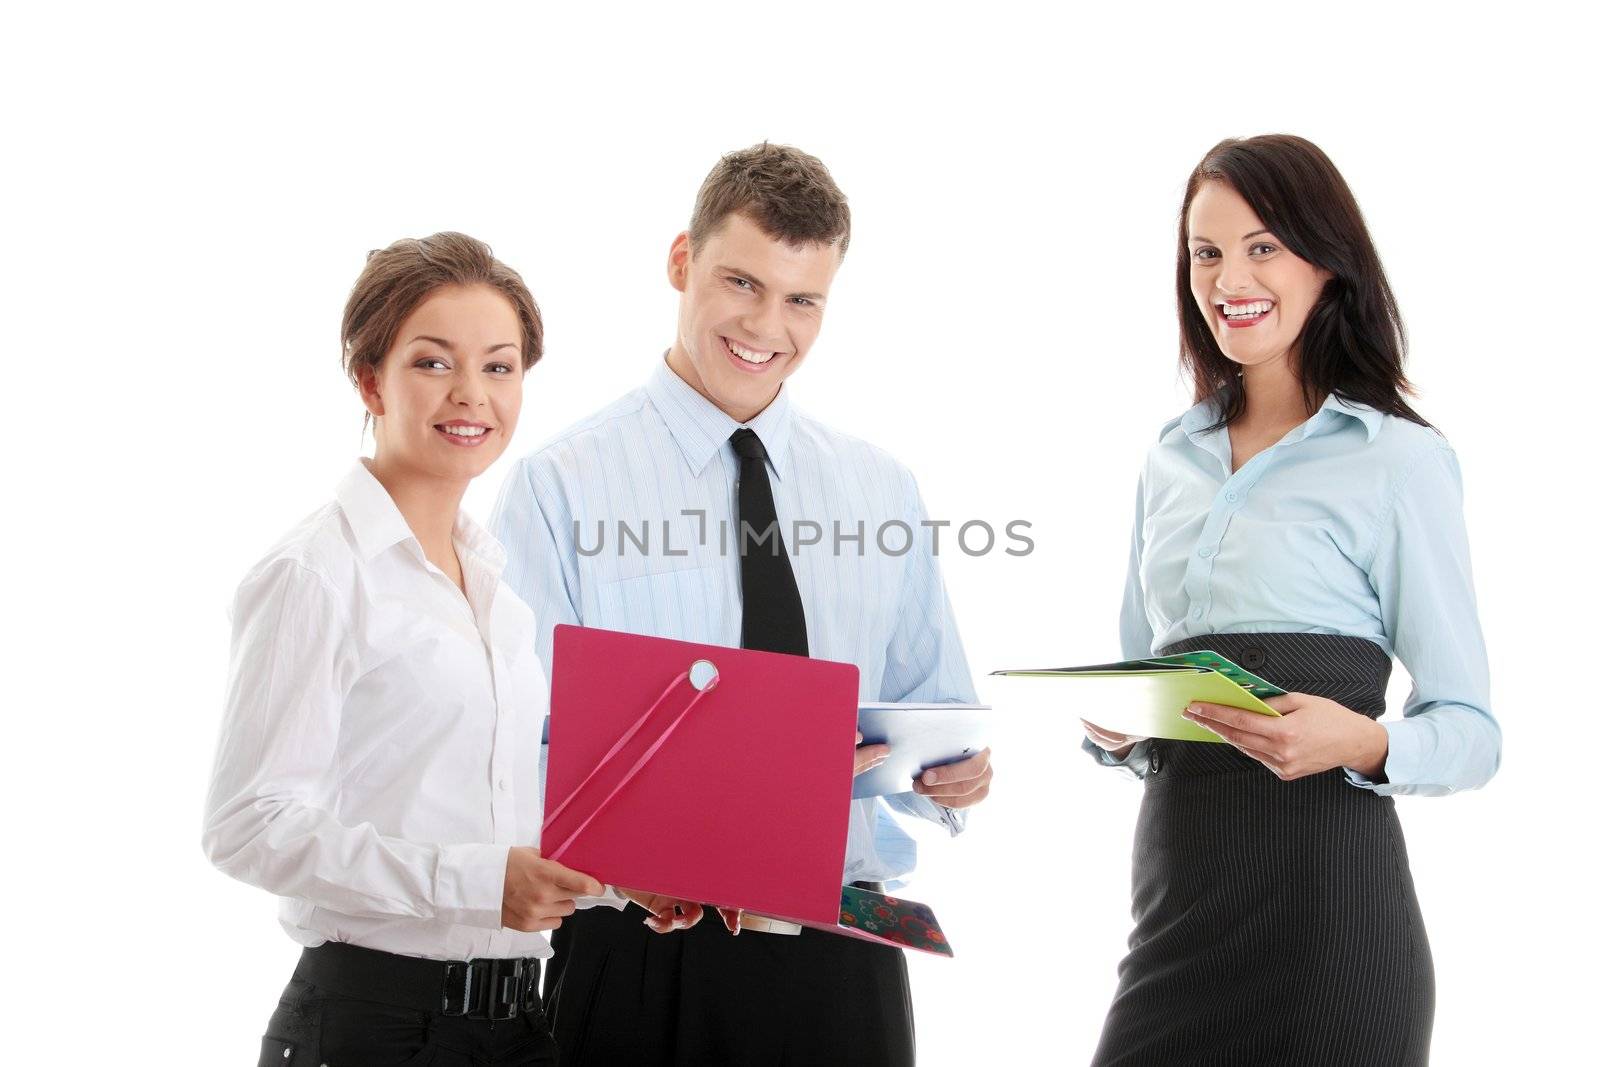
449 390
1254 292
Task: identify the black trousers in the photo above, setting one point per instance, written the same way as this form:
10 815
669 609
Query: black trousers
316 1027
621 995
1275 922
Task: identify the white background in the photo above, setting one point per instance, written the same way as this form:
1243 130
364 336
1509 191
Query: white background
191 193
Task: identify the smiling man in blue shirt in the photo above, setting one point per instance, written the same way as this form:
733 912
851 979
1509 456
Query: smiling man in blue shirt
631 520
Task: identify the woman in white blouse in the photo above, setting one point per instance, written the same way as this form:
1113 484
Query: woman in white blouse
378 761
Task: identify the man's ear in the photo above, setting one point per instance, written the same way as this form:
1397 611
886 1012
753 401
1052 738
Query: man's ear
678 262
367 379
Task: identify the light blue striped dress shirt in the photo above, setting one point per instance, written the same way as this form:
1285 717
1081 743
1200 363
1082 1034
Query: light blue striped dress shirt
658 461
1351 524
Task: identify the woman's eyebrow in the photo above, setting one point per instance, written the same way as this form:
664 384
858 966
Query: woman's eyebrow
447 346
1206 240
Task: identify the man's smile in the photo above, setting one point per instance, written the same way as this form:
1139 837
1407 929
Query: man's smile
750 360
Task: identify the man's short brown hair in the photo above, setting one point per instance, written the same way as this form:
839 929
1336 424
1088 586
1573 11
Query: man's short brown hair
786 192
398 278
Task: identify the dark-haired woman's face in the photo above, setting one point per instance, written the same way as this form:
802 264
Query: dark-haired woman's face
1254 292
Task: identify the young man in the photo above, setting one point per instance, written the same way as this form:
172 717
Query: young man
767 530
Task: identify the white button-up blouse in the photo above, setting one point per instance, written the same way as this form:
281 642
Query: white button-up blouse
379 753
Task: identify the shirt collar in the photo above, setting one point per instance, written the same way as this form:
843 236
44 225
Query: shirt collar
700 427
374 520
378 525
480 542
1196 419
1371 420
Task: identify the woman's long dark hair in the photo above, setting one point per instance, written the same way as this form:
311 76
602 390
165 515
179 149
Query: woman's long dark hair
1353 343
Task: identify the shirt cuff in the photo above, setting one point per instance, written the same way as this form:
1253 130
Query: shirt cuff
1134 764
913 803
470 884
1401 767
611 898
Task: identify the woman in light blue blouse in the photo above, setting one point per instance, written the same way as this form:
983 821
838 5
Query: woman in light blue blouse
1302 520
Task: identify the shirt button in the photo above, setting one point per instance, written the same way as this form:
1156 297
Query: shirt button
1205 553
1197 613
1232 496
504 785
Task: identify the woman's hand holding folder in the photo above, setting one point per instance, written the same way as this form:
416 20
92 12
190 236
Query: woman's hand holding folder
539 893
1313 734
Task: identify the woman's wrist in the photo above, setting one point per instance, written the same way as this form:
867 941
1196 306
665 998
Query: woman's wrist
1373 749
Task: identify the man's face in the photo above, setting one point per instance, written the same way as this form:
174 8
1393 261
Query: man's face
751 307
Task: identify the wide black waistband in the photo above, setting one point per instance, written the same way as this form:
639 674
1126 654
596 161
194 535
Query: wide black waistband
1350 670
479 989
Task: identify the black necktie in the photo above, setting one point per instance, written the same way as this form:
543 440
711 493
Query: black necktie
774 619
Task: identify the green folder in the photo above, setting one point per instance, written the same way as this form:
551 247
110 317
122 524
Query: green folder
1146 697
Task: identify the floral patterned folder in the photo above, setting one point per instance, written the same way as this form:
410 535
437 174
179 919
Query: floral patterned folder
905 922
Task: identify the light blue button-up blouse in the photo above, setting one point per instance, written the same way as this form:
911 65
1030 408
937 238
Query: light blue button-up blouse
1351 524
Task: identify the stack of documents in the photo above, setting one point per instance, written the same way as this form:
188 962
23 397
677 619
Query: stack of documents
1146 697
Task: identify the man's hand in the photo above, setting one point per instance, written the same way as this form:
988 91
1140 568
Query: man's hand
869 756
1117 744
669 913
540 892
1313 735
666 913
957 785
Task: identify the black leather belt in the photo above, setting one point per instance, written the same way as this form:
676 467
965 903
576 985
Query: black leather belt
477 989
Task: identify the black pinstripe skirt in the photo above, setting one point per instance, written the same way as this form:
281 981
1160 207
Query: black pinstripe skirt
1275 922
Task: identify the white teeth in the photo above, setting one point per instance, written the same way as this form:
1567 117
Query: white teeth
1245 311
464 431
746 354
